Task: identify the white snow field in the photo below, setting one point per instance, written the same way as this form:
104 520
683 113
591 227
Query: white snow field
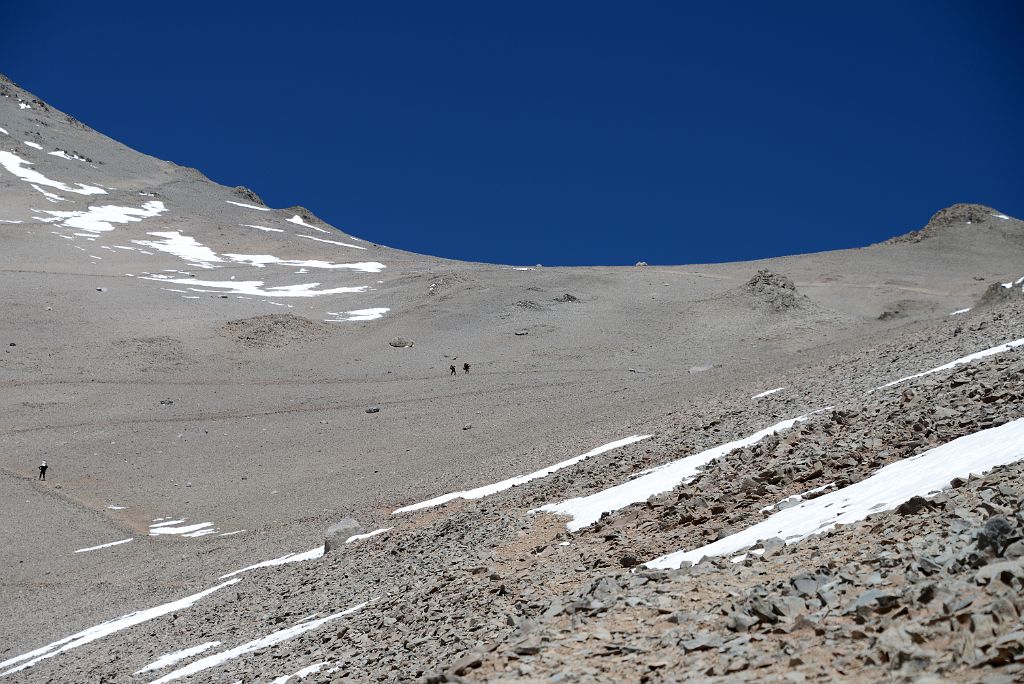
91 634
184 247
255 645
923 475
100 219
586 510
19 167
487 490
984 353
169 659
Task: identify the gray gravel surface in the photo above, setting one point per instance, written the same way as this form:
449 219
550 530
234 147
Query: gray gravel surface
253 416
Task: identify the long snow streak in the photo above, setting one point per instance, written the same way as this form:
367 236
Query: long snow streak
255 645
991 351
487 490
312 554
169 659
922 475
586 510
91 634
20 168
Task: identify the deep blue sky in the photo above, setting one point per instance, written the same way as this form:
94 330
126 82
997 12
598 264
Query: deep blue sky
559 133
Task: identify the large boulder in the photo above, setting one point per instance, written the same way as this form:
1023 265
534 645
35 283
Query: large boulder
400 342
339 533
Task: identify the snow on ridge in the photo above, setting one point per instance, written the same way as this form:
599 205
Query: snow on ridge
356 315
331 242
586 510
169 659
86 636
19 167
99 219
991 351
926 474
254 645
247 206
35 146
769 392
103 546
297 220
487 490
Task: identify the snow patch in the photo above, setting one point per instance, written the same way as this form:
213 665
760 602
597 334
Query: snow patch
960 311
100 219
923 475
991 351
255 645
765 394
255 287
487 490
247 206
586 510
177 656
312 554
107 628
264 228
19 167
367 535
184 246
357 315
103 546
261 260
297 220
331 242
35 146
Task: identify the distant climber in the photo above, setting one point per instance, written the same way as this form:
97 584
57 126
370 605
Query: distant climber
42 470
452 369
465 368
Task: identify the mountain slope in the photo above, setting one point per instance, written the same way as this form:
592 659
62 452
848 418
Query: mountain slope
180 359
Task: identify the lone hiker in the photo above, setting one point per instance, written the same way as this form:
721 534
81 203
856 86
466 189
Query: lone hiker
465 368
452 369
42 470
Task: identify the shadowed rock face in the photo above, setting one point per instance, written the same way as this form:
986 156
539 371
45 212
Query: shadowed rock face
774 291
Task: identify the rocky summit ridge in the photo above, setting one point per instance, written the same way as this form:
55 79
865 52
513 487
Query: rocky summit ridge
280 453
